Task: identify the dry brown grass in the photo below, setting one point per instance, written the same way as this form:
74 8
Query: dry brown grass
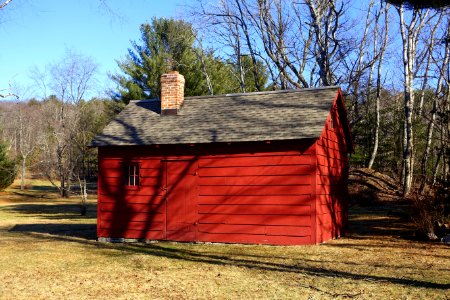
47 251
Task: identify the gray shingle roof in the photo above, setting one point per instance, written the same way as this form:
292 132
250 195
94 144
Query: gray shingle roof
279 115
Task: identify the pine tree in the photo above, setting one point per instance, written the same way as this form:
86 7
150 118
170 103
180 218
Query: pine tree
7 168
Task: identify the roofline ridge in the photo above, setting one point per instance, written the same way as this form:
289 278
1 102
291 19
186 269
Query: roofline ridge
145 100
246 94
264 92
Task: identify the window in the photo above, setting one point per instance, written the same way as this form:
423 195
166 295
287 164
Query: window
132 172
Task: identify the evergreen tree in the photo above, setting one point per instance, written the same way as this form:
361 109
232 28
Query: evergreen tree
7 169
170 44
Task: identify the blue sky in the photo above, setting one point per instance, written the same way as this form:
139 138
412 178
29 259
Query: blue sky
36 33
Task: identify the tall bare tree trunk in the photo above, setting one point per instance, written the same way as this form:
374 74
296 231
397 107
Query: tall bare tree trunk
410 36
378 88
23 172
434 108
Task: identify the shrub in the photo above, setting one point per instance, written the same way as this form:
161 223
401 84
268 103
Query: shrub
430 211
7 169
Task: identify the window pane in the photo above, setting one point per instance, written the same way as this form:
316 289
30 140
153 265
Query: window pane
132 178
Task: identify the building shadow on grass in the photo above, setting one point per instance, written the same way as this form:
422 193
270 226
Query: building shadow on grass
84 231
58 215
53 211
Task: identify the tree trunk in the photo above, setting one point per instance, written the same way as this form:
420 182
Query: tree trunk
408 150
436 168
22 175
378 88
434 109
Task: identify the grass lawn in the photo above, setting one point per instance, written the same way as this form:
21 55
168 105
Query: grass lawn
48 251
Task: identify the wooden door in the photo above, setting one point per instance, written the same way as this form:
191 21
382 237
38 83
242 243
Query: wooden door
181 196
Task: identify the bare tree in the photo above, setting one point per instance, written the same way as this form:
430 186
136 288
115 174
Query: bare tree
27 121
442 69
380 53
70 79
410 33
325 17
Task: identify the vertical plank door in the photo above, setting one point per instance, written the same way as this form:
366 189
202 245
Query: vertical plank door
181 215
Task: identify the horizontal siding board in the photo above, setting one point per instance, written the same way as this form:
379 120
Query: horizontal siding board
331 162
256 180
121 189
326 170
124 218
255 190
253 239
119 172
329 180
324 151
252 161
329 189
275 151
156 199
231 229
131 208
132 225
147 163
255 229
257 171
119 181
288 230
255 209
131 234
257 200
335 198
299 220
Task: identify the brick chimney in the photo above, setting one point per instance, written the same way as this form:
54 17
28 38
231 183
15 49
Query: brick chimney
172 93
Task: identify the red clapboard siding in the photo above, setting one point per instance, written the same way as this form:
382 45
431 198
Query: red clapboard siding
255 190
331 188
253 239
257 171
325 199
131 234
256 200
327 170
121 218
116 163
329 180
328 152
143 173
225 228
288 230
125 198
118 181
120 189
252 161
255 209
301 220
256 180
329 161
131 207
141 226
254 229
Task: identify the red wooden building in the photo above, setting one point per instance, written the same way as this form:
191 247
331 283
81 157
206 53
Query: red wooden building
264 168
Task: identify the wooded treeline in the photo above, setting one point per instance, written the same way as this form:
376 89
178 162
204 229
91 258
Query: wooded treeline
392 63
